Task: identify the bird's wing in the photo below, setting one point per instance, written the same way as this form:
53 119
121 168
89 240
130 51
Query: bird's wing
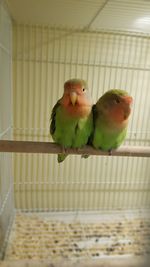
94 111
53 117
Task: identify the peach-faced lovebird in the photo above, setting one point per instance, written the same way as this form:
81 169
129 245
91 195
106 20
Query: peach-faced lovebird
111 113
72 118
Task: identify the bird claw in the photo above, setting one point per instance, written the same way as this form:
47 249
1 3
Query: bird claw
85 156
64 150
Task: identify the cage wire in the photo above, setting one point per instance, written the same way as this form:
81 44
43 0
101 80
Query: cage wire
44 58
81 209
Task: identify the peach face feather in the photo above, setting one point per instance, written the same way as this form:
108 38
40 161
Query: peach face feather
76 99
116 106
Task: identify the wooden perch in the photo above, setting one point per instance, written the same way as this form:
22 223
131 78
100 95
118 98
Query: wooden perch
53 148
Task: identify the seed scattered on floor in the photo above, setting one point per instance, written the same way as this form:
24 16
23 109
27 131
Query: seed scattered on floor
34 237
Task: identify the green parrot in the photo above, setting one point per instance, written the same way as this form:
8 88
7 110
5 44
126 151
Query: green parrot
72 117
111 113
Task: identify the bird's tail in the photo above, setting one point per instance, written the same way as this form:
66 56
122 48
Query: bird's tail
85 156
61 157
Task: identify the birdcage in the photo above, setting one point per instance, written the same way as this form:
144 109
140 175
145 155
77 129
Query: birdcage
88 212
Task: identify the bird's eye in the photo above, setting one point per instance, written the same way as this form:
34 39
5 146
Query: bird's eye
83 89
116 100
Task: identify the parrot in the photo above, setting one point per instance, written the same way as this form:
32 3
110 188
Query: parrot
110 114
71 117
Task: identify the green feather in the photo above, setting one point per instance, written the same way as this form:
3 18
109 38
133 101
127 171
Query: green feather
75 81
106 136
106 139
68 131
115 92
53 117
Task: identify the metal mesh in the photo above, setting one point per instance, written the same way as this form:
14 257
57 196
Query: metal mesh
6 181
43 59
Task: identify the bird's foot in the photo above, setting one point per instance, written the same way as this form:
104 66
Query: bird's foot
85 156
64 150
77 149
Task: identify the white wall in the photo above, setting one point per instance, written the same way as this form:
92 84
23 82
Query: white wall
43 58
6 183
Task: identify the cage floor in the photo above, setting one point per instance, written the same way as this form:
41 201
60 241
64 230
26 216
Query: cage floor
56 236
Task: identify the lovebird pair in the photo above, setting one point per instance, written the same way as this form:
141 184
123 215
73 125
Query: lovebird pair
75 121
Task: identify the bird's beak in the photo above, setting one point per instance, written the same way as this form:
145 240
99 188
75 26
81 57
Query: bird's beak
128 100
73 98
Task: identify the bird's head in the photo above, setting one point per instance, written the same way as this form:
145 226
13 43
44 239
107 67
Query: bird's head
76 96
116 105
